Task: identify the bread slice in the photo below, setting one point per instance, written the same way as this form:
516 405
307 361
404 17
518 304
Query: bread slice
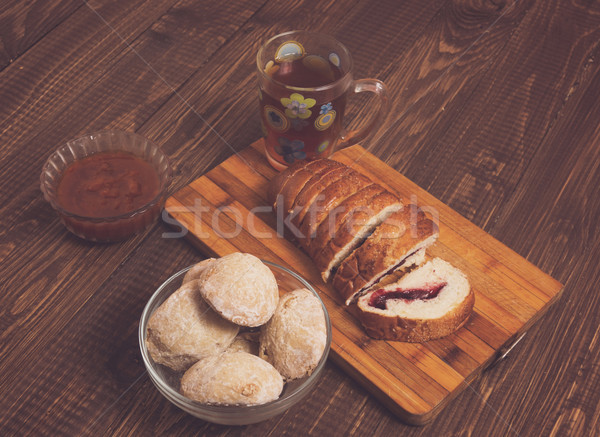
356 225
292 185
430 302
392 245
327 203
281 179
312 189
330 208
293 174
336 217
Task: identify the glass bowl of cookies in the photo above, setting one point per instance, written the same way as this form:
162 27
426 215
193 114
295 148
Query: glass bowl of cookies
235 340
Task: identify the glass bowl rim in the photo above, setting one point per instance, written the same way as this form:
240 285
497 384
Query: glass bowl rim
231 411
51 198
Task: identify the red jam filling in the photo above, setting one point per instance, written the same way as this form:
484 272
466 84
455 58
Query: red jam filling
380 297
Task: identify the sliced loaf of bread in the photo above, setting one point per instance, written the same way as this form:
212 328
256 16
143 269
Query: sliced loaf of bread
328 203
399 242
350 231
286 186
330 209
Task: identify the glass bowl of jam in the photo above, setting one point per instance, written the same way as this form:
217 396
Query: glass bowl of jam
107 186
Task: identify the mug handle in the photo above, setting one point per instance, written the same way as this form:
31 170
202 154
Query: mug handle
348 138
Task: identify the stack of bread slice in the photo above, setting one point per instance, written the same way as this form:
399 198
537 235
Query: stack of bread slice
358 233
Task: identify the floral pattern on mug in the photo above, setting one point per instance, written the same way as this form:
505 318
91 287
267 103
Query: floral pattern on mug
326 108
276 119
297 106
325 120
290 150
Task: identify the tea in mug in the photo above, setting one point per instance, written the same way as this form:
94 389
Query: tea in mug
301 112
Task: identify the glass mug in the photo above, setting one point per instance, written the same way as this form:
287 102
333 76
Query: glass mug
304 81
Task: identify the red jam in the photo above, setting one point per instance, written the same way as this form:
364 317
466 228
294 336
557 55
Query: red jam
107 184
380 297
109 196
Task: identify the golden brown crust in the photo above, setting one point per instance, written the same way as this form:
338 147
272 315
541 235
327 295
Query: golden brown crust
328 200
296 183
281 179
330 226
313 189
354 227
404 232
331 208
391 327
359 216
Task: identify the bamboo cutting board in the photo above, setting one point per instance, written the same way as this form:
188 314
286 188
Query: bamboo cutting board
226 211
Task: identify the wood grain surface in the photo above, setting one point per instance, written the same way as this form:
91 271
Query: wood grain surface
494 111
227 211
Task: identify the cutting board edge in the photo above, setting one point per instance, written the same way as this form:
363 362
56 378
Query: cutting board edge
416 416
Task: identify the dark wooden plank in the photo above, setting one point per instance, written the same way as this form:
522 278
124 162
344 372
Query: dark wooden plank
21 28
113 85
93 357
228 79
43 105
438 72
562 179
536 67
459 157
44 296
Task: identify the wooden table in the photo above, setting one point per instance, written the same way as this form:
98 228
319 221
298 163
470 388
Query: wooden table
494 110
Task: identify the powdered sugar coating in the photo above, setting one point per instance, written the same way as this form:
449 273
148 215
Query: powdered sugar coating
232 378
196 270
295 337
240 288
184 329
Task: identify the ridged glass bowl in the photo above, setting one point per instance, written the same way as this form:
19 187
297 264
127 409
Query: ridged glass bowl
167 380
113 228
